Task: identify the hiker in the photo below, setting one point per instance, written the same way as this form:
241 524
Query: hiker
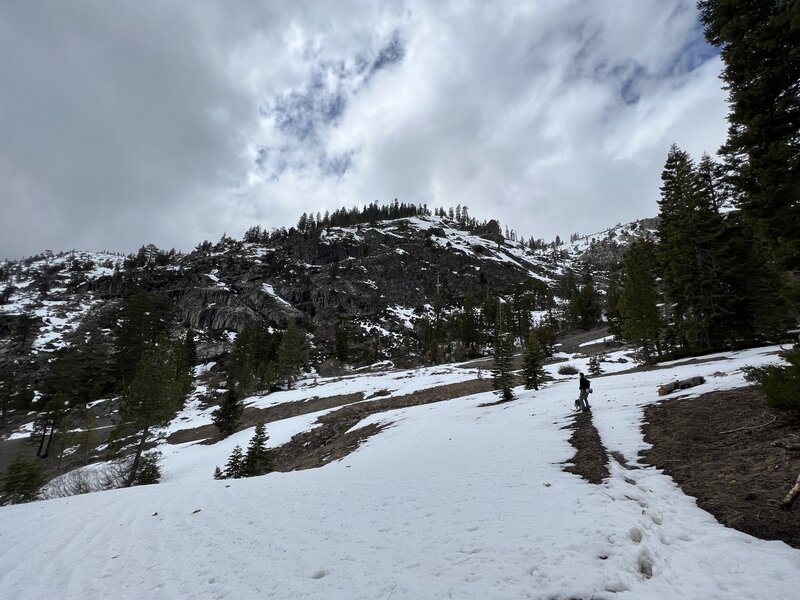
585 388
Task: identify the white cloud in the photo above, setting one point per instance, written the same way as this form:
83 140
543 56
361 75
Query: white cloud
148 122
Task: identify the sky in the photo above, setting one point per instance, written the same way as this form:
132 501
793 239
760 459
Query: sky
169 122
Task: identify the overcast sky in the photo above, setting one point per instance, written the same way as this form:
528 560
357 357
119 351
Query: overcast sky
170 122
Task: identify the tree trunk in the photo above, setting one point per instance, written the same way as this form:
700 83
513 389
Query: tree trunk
44 443
137 458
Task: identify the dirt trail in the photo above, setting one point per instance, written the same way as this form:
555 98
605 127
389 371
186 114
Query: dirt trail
591 459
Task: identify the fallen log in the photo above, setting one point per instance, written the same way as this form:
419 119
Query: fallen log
789 499
679 384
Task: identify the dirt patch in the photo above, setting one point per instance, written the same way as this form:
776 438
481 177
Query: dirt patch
741 476
590 460
252 416
331 440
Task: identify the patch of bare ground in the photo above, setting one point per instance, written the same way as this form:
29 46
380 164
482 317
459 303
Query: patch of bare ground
253 415
732 453
590 460
330 441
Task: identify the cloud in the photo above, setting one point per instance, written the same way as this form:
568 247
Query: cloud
123 124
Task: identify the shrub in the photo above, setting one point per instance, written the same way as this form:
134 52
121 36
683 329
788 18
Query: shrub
149 470
779 383
567 370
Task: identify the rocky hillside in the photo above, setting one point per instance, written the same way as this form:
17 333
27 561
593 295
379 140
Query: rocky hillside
379 281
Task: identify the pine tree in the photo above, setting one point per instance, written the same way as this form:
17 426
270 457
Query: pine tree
641 321
584 307
22 480
613 297
594 366
227 415
532 369
234 469
341 342
218 474
779 382
156 393
291 354
258 460
468 326
691 252
758 43
149 472
191 348
502 361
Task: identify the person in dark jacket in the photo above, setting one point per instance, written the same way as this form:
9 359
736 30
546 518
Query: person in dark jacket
585 388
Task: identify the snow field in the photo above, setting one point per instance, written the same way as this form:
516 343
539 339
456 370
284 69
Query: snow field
451 501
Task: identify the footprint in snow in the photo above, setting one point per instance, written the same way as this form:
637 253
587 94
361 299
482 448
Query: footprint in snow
319 574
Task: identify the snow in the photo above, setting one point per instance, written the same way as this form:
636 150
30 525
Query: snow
452 500
404 315
271 291
608 338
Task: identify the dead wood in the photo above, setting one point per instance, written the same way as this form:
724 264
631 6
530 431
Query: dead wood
789 499
680 384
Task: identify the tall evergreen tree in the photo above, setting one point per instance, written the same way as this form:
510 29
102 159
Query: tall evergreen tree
759 44
502 361
154 396
613 297
641 321
532 362
291 354
691 251
584 306
141 320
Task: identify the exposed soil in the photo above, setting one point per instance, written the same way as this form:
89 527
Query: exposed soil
330 441
591 459
252 416
732 453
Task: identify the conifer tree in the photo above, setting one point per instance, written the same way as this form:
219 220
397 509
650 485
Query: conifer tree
779 382
234 469
22 481
153 397
227 415
594 366
758 44
691 253
468 326
613 297
502 361
150 471
218 474
258 460
341 342
584 306
291 354
532 363
191 348
641 321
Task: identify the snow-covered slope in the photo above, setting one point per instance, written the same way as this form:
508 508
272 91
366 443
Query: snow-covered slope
453 500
